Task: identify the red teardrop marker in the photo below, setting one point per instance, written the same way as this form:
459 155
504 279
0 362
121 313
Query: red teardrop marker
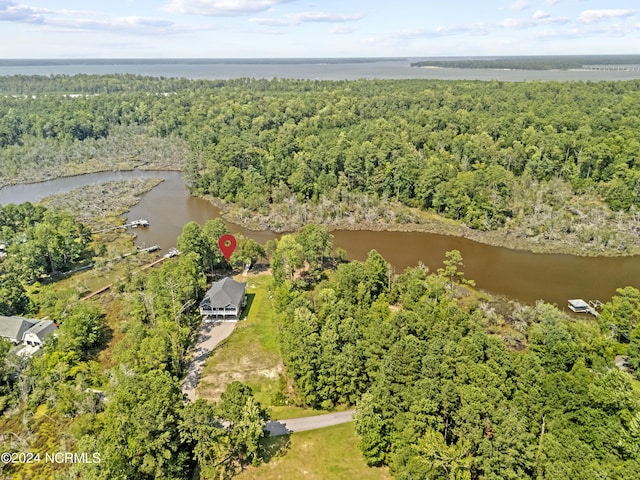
227 244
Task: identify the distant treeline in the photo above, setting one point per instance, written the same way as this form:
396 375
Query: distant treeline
563 62
94 84
20 62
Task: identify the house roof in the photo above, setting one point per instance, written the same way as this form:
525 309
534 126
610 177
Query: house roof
15 327
224 292
42 329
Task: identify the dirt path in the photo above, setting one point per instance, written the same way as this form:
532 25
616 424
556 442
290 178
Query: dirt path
211 334
285 427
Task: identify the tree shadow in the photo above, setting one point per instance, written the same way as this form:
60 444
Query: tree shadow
259 267
247 307
274 447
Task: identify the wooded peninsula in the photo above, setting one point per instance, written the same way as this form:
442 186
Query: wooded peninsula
536 62
446 381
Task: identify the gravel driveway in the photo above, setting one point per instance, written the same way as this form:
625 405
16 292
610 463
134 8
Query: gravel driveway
211 334
284 427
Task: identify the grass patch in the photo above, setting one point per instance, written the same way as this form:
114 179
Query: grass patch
114 320
325 454
251 354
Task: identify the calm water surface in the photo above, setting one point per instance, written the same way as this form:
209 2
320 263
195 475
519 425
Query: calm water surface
382 69
521 275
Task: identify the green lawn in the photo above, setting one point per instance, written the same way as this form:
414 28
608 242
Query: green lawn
251 354
326 454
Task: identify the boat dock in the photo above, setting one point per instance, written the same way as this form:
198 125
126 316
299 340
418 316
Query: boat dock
578 305
138 223
152 248
141 222
173 252
612 68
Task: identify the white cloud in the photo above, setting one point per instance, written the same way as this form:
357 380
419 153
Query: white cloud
221 7
537 19
295 19
519 5
592 16
11 11
76 20
515 23
342 30
129 25
479 28
540 14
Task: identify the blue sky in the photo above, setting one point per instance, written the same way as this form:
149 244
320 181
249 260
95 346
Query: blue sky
315 28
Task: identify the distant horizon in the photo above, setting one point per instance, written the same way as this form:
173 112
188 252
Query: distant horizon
344 59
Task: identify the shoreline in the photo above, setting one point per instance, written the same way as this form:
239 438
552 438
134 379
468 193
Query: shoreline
428 223
399 218
144 168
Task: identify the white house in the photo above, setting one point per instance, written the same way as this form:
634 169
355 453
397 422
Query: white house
35 335
27 331
224 300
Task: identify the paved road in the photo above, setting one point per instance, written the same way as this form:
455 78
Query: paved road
284 427
211 334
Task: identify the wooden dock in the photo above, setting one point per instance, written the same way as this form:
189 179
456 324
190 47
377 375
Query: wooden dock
612 68
173 252
152 248
141 222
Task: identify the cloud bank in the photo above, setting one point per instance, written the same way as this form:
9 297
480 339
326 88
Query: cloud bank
221 8
295 19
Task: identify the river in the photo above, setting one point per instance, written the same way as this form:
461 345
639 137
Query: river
517 274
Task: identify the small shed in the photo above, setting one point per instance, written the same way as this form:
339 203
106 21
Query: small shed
224 300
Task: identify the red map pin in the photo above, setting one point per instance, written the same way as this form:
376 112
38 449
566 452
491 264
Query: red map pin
227 244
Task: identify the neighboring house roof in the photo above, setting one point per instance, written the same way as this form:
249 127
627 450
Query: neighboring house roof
42 329
14 328
223 293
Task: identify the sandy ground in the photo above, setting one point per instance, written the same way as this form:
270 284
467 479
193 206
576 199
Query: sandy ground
211 334
284 427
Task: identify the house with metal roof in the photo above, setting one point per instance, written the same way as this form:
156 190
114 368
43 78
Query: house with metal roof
25 330
13 328
36 334
224 300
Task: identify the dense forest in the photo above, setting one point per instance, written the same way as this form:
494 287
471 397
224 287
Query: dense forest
447 383
123 401
542 161
439 393
37 243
